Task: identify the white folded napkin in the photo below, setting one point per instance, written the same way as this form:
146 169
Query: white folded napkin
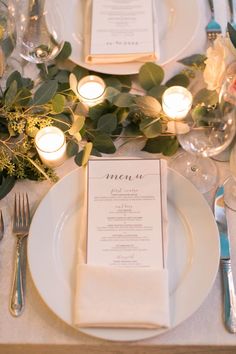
116 58
108 296
118 297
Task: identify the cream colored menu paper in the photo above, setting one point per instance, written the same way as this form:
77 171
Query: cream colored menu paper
120 31
125 221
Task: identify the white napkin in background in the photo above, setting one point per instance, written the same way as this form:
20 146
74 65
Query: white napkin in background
107 296
116 58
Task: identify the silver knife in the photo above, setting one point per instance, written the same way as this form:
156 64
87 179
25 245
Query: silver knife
225 262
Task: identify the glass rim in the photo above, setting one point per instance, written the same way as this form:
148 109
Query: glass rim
90 78
37 137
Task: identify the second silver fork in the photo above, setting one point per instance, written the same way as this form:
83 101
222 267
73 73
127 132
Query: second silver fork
21 224
213 28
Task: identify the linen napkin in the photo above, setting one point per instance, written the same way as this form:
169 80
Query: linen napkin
109 296
111 58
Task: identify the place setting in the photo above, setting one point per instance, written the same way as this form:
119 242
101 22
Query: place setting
109 178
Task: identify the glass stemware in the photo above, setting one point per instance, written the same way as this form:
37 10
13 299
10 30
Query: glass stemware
39 29
203 136
7 41
230 183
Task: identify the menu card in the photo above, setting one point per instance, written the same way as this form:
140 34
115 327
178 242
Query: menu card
124 215
122 26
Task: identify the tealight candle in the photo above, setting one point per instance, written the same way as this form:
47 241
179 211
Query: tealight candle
176 102
51 146
91 90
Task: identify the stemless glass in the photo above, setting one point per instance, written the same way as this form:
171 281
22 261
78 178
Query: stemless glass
202 138
40 29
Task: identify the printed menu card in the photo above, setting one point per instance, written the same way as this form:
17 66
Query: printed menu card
121 31
124 214
122 282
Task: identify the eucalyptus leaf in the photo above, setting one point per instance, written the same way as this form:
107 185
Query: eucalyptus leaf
95 152
208 97
97 111
107 123
132 130
6 185
77 125
15 76
163 144
45 92
104 143
195 59
23 97
86 153
11 93
111 93
62 121
232 34
65 52
78 158
80 72
148 105
78 137
178 80
150 128
58 103
62 76
157 92
72 148
126 82
123 100
150 75
113 82
122 114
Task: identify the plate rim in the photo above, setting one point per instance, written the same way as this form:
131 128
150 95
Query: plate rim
98 332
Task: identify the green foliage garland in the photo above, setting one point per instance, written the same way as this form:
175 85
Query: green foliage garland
24 109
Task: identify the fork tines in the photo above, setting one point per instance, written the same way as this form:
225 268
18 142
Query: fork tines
21 210
212 29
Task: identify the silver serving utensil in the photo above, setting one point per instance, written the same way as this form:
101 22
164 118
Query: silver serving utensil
225 262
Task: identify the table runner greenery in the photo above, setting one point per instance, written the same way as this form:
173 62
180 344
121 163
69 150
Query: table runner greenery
25 109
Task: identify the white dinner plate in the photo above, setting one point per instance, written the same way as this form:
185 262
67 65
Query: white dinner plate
192 259
177 22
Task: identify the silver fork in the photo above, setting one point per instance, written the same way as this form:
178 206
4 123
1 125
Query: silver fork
1 226
21 224
213 28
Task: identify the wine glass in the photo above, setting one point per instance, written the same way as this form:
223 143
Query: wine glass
204 132
39 29
7 41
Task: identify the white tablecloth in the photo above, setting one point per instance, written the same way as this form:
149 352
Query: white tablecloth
39 330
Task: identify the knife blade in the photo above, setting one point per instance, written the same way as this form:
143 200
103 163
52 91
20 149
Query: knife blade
225 261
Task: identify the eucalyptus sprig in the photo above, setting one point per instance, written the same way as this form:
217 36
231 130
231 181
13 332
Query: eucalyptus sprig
124 113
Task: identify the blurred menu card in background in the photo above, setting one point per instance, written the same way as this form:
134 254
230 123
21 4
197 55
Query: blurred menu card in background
120 31
126 213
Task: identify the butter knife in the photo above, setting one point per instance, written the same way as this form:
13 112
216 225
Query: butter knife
225 262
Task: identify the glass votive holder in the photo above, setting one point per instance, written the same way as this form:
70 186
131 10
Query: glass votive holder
51 146
177 102
91 90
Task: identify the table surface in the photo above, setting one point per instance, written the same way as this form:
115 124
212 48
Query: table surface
39 330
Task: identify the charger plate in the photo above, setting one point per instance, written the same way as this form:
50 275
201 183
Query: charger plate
178 22
193 256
